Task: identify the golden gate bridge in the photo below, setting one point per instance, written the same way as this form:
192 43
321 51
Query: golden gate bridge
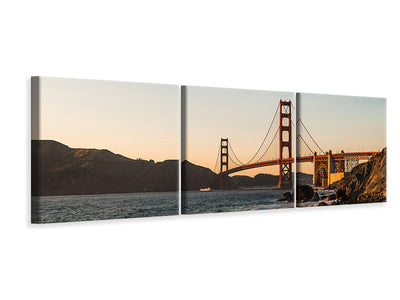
327 167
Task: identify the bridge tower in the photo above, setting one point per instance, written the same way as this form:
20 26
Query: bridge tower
285 143
223 179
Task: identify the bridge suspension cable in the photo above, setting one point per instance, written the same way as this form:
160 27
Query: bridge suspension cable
268 146
234 154
262 143
233 158
232 161
216 162
299 136
299 120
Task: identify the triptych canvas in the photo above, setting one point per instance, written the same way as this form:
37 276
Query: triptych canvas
110 150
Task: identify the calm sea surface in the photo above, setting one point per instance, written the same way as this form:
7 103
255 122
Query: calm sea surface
50 209
194 202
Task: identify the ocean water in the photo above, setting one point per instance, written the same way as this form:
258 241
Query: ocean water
54 209
51 209
194 202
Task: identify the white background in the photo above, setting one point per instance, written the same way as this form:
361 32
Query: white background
347 47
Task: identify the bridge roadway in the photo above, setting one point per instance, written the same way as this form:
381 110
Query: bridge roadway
301 159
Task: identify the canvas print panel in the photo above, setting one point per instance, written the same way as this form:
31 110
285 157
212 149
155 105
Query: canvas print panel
341 150
235 154
103 150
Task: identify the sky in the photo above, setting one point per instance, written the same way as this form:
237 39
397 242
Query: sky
137 120
243 116
341 123
140 120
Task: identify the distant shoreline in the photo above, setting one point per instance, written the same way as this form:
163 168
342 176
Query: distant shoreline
99 194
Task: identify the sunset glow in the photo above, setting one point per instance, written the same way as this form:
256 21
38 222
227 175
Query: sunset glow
137 120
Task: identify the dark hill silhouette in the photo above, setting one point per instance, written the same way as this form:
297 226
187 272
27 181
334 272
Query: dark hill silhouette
195 177
304 178
60 170
241 181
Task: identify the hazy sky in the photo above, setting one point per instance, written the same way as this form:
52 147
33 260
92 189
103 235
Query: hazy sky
243 116
142 120
341 123
136 120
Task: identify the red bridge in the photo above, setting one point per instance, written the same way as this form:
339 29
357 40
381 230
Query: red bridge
327 167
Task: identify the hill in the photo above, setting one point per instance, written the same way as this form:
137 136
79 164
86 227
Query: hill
265 180
304 178
60 170
195 177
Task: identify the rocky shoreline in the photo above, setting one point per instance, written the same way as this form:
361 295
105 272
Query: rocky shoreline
366 183
288 197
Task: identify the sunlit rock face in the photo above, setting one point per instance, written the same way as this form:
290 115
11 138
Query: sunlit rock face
366 182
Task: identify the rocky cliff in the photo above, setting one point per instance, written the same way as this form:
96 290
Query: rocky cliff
366 182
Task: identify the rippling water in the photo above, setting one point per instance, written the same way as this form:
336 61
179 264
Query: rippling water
194 202
50 209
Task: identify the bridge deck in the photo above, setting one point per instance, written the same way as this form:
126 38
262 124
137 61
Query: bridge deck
301 159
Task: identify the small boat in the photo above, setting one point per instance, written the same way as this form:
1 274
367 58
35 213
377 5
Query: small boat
207 189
